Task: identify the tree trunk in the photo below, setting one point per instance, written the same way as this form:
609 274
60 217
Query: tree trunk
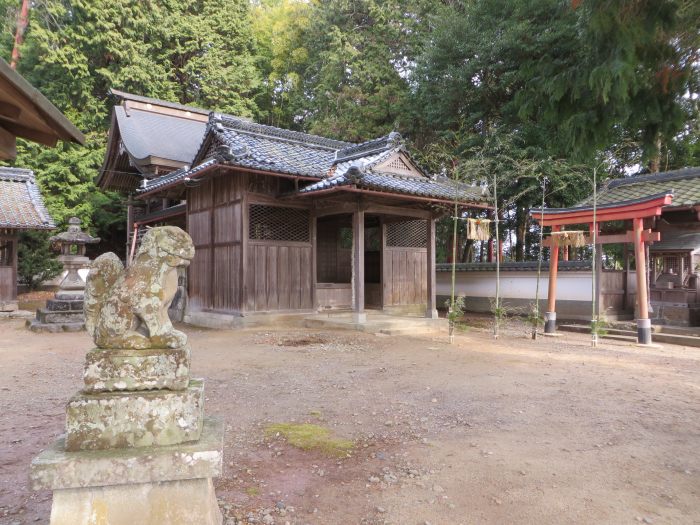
655 163
22 21
520 230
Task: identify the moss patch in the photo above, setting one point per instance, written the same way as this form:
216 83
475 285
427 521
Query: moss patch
310 437
252 491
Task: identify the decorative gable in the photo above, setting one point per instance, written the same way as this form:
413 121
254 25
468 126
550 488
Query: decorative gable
400 164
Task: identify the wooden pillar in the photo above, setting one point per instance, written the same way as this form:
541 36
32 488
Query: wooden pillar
565 253
431 309
550 316
490 251
358 266
643 321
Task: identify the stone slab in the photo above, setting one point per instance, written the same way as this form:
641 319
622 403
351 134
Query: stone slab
62 305
8 306
54 328
47 316
135 419
71 295
189 502
109 370
57 468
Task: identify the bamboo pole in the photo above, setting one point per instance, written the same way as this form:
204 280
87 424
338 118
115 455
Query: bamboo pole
454 268
497 311
594 234
539 265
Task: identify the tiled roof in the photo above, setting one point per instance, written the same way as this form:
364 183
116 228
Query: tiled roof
675 240
237 142
173 177
21 205
526 266
440 188
266 148
684 183
146 134
156 102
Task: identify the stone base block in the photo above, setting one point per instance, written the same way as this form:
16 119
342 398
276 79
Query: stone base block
48 316
59 305
8 306
57 468
134 419
124 369
189 502
54 328
150 486
70 295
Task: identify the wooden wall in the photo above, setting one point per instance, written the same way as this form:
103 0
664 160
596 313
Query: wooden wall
405 276
8 269
231 273
278 276
214 221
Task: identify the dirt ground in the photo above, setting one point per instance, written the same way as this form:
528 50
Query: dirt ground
513 431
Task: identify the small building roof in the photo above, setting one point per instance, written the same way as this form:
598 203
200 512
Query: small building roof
677 241
149 135
334 164
21 205
684 183
26 113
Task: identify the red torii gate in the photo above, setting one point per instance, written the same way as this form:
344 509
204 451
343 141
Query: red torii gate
636 210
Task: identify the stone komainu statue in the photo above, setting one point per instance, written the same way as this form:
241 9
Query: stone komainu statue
128 308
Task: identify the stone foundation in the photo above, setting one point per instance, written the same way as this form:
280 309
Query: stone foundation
63 313
148 485
108 370
135 419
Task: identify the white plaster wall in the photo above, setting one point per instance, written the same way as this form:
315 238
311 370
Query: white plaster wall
571 286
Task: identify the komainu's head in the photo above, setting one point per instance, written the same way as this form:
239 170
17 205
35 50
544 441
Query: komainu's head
168 243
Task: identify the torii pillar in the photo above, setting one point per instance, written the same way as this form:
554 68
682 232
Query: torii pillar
550 315
643 321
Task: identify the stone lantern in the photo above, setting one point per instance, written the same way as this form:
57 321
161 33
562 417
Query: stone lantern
65 311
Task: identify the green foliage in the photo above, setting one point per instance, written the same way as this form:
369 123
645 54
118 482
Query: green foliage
455 311
534 316
340 68
523 89
526 89
35 261
599 327
193 52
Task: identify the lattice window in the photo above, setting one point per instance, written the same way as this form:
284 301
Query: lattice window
407 234
273 223
398 164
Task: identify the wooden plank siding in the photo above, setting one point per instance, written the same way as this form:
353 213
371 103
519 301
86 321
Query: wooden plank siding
404 276
214 221
8 270
279 276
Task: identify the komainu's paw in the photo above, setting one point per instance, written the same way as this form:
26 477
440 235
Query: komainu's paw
174 339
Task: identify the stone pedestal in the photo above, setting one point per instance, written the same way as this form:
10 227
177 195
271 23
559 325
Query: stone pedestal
137 448
147 485
63 313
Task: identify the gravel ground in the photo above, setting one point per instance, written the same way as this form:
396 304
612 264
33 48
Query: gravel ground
481 431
